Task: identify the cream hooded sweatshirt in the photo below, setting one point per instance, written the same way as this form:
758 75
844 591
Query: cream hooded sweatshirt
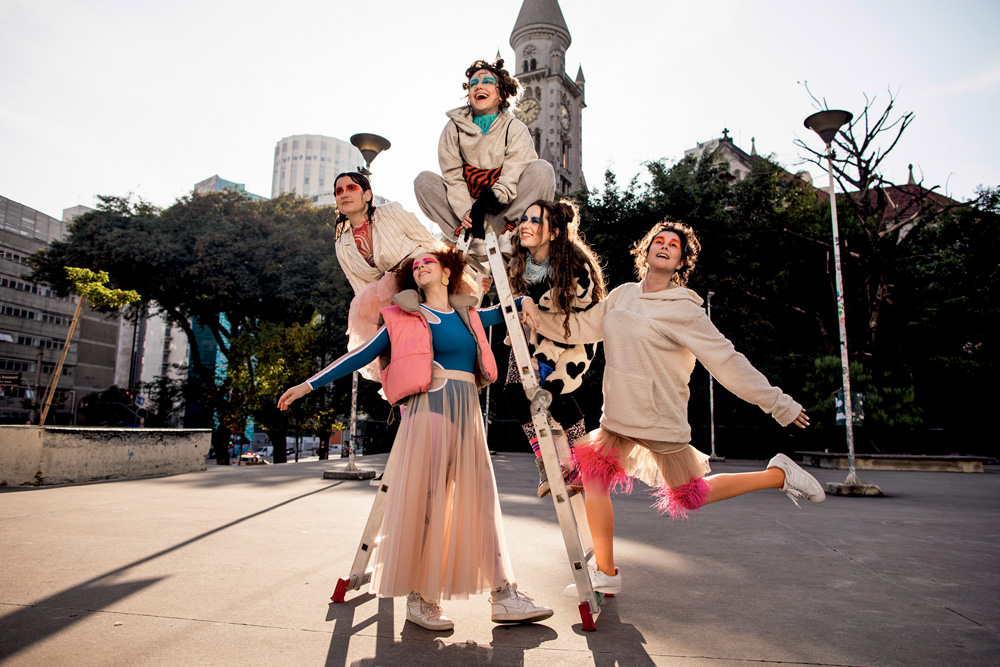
651 342
507 144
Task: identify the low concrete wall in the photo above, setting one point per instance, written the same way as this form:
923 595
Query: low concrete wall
62 455
911 462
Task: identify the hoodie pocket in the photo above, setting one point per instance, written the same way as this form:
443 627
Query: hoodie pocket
629 399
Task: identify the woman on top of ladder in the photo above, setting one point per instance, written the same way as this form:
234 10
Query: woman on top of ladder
559 271
653 331
441 536
490 171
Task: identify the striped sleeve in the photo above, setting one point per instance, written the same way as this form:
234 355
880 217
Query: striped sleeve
493 315
400 235
354 360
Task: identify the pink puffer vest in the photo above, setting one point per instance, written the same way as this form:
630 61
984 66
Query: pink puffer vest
408 368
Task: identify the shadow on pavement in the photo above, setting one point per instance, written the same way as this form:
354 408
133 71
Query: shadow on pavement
62 610
615 643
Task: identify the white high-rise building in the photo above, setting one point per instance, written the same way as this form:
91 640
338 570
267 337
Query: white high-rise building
307 164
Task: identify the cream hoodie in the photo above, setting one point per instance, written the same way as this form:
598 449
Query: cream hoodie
507 143
651 342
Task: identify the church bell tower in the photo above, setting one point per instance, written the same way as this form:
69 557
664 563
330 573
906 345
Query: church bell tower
552 104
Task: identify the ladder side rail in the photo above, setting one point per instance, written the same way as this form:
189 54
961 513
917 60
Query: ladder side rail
540 399
360 575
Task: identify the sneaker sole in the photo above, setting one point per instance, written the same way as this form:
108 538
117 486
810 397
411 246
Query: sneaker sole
424 624
523 618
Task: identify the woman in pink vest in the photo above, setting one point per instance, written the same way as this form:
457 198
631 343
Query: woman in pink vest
442 533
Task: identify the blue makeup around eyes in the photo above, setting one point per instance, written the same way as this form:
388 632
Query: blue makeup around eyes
489 79
535 219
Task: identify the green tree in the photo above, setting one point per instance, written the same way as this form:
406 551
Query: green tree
221 260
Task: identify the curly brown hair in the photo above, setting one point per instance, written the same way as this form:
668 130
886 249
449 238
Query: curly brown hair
507 86
450 259
690 247
343 224
567 253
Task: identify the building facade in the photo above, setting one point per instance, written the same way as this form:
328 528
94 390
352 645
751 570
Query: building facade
551 104
218 184
34 322
307 164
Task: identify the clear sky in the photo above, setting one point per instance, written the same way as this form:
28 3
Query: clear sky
119 96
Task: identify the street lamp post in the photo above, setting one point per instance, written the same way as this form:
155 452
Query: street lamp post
711 397
826 124
370 146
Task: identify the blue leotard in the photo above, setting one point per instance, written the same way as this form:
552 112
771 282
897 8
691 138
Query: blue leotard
454 347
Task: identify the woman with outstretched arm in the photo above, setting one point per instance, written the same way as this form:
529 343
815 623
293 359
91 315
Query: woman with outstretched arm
653 331
442 533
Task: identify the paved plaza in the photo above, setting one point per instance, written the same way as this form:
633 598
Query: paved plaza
236 565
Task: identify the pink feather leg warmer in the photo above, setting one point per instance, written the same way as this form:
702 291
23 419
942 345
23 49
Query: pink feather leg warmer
593 465
677 502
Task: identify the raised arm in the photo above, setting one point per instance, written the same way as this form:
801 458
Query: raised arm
525 306
732 369
345 365
584 327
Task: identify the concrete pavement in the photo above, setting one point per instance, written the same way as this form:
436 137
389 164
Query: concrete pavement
236 565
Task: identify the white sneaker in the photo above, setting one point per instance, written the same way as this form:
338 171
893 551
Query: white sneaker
512 606
798 483
477 248
602 583
426 614
506 247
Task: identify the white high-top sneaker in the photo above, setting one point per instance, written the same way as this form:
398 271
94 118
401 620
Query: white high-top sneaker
512 606
426 614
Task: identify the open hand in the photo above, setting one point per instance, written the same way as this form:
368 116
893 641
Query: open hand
802 420
293 394
529 313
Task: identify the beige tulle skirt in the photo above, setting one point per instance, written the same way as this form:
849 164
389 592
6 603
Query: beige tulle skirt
442 533
654 463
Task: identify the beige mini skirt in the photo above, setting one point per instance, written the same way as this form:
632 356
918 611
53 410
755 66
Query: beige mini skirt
652 462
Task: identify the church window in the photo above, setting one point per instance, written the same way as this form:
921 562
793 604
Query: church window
534 66
524 68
